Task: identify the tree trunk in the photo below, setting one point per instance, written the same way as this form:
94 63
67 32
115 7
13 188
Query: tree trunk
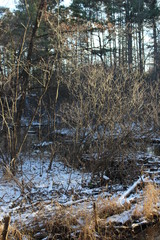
155 49
129 34
24 77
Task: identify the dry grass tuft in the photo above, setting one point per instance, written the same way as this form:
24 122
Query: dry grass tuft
151 198
86 224
13 233
88 231
109 207
137 212
61 224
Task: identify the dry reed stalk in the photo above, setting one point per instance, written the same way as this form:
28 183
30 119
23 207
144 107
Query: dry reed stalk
7 220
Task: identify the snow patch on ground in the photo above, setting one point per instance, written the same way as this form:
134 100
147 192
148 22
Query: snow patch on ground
60 184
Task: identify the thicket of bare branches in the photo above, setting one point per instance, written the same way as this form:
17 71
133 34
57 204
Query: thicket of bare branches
107 110
105 106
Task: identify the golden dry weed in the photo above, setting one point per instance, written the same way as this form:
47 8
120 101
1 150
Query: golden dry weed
151 198
109 207
137 212
13 233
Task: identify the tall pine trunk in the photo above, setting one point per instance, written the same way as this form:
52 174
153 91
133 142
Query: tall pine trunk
129 34
155 49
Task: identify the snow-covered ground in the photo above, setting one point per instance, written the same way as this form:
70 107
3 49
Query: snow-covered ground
60 184
35 186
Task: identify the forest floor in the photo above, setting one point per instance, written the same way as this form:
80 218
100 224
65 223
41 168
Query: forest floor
61 203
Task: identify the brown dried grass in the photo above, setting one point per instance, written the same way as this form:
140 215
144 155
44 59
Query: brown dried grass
86 224
109 207
13 233
151 197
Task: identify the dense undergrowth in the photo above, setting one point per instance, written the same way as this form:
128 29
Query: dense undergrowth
81 221
107 114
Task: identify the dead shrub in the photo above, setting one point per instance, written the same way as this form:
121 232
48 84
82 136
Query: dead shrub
106 112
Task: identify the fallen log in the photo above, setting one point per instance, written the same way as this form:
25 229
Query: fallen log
123 197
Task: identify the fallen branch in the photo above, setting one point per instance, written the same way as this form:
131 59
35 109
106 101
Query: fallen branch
70 203
142 179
